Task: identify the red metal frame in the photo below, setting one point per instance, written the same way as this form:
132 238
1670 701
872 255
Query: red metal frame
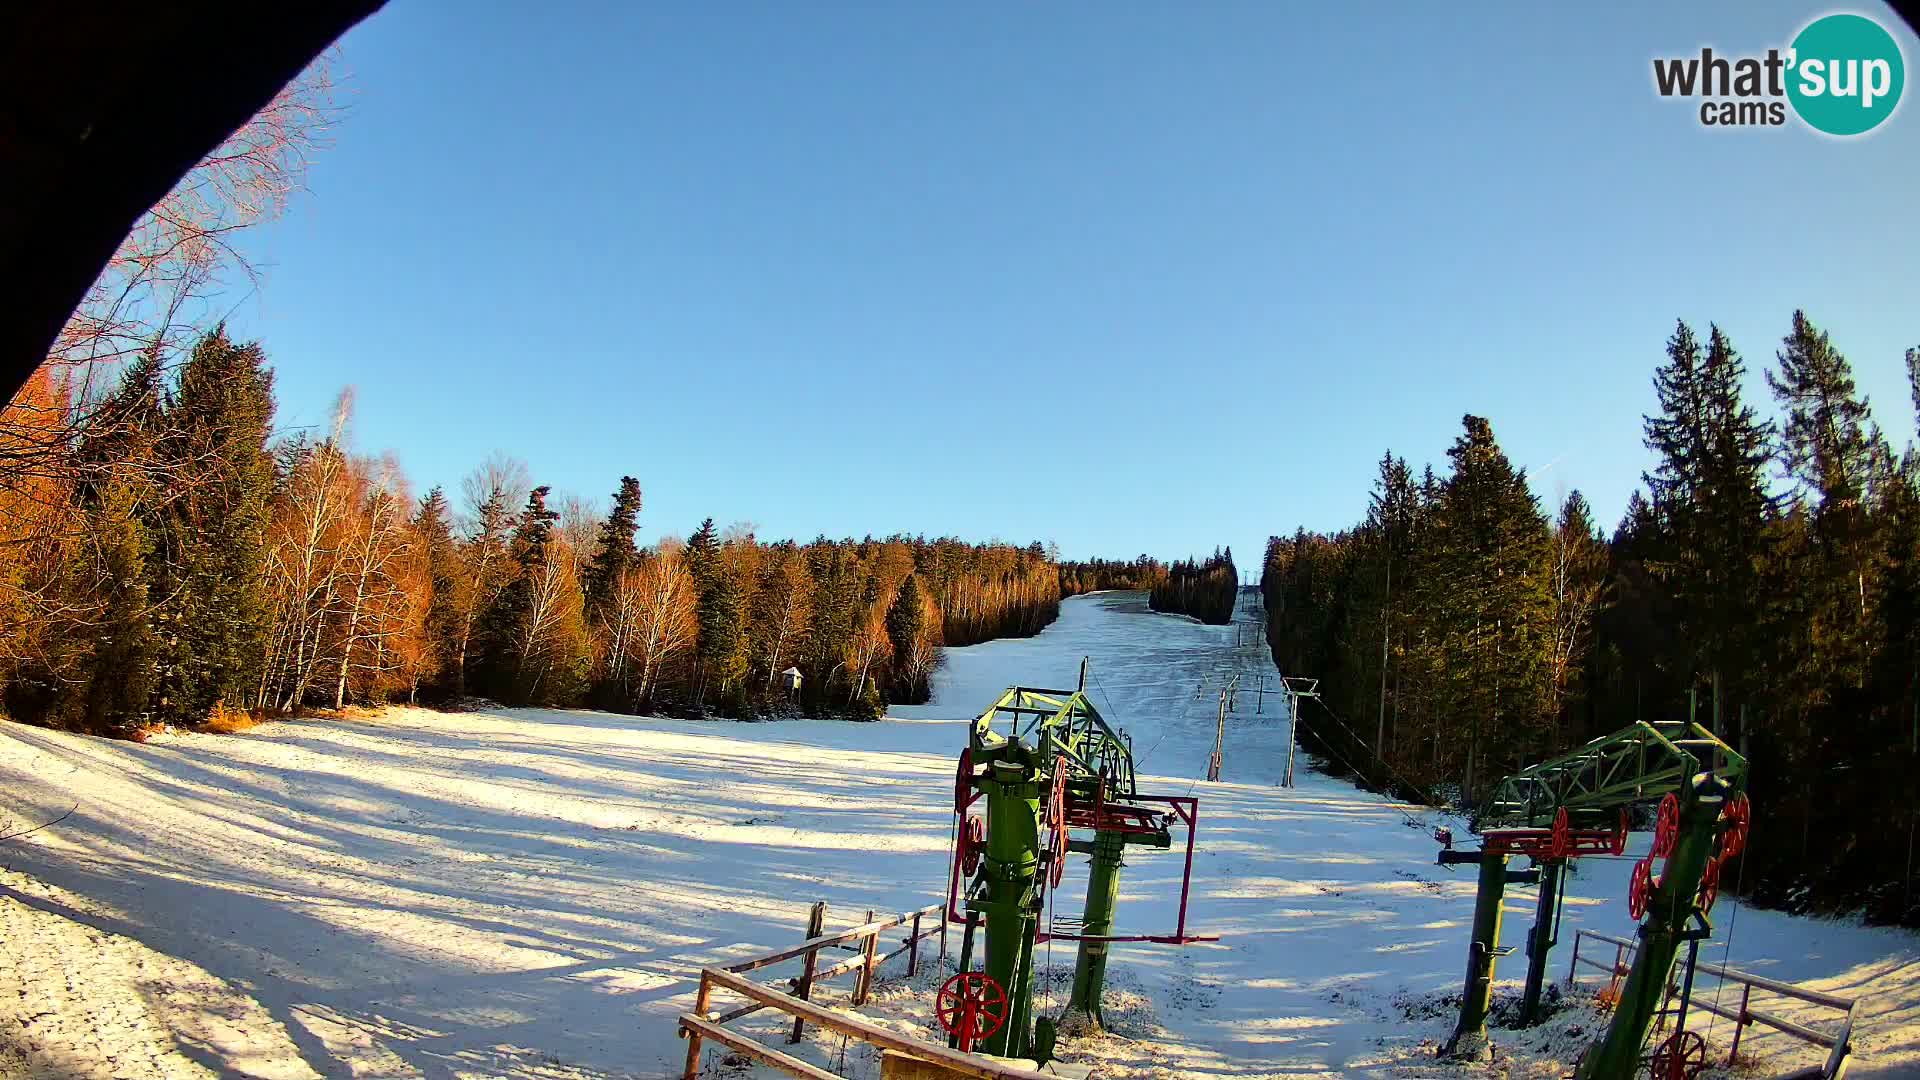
1187 809
1538 843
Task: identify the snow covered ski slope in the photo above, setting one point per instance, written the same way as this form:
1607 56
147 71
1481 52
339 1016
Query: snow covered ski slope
529 893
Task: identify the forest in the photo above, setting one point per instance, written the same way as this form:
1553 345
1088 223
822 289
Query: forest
1766 582
186 562
1206 590
1097 575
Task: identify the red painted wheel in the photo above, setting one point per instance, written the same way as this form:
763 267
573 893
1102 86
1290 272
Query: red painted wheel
1620 834
1682 1057
1709 886
973 840
1562 834
963 782
1640 892
1666 826
1057 822
1738 817
972 1006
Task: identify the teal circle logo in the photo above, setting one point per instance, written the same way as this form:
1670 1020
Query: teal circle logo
1845 74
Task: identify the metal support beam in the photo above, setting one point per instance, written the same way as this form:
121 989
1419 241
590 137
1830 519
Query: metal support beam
1617 1056
1470 1035
1542 938
1103 891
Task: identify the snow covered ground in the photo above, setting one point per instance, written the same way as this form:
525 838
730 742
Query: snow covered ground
530 893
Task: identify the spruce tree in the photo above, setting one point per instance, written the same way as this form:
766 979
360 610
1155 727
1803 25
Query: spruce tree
616 552
1832 454
907 632
1709 497
208 578
433 529
503 627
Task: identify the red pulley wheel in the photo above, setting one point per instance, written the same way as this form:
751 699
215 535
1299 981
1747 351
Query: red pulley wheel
1666 826
1057 822
1640 891
1562 834
973 840
1709 886
1620 834
1739 818
972 1006
963 782
1682 1056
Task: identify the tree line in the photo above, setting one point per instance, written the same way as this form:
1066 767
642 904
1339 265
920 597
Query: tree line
183 561
1766 583
1206 590
1097 575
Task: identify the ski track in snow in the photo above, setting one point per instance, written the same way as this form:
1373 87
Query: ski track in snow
531 893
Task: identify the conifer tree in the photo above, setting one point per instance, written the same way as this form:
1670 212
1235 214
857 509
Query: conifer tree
615 553
433 531
1831 454
1709 496
213 614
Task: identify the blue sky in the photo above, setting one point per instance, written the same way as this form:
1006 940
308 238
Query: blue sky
1124 276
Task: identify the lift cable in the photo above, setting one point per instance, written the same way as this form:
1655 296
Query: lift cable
1713 1014
1377 756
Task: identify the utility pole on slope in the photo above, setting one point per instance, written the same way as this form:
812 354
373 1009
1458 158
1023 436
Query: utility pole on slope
1307 688
1219 740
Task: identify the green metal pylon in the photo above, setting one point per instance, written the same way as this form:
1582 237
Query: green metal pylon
1617 1056
1103 891
1008 906
1470 1035
1542 938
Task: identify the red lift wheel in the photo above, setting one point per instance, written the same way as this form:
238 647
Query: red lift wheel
972 1006
1682 1057
973 840
1739 818
1666 826
1057 821
1640 892
1620 834
963 782
1709 886
1562 834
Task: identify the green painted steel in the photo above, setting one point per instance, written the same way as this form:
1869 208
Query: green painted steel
1006 899
1103 891
1617 1055
1470 1034
1635 764
1638 763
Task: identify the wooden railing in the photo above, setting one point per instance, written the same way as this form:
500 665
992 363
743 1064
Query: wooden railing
1839 1044
793 998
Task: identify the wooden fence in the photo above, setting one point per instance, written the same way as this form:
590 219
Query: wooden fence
1839 1044
793 998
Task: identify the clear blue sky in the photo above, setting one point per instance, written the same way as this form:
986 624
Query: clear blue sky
1125 276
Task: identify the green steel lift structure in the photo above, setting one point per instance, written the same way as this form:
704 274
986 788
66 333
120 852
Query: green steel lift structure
1047 764
1576 804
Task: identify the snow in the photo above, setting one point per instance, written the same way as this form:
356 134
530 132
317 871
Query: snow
532 893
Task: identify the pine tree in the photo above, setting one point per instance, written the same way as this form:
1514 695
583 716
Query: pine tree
1831 453
504 627
1709 496
213 615
433 531
907 630
615 554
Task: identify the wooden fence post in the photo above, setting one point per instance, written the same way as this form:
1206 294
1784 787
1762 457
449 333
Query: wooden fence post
701 1001
867 950
913 946
816 925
